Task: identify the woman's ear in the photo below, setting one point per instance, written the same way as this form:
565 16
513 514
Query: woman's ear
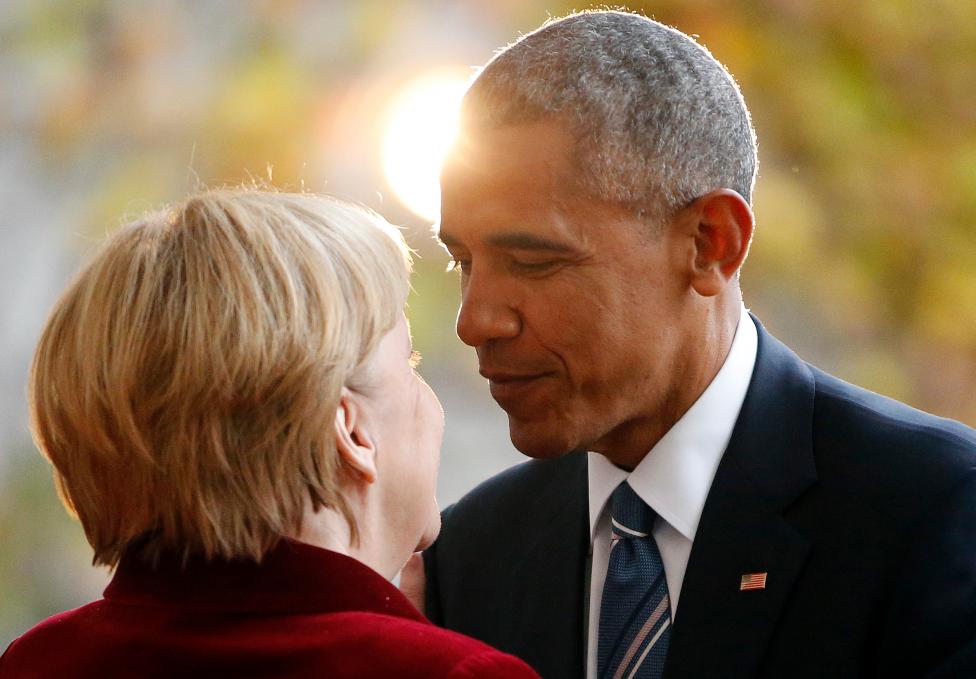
722 237
354 443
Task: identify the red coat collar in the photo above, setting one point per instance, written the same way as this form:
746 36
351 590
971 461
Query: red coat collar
293 578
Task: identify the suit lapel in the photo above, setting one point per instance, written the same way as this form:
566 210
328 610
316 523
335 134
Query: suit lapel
720 630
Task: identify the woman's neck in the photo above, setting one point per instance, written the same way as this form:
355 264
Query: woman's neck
328 529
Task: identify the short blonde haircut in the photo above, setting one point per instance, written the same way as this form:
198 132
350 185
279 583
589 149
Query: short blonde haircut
186 384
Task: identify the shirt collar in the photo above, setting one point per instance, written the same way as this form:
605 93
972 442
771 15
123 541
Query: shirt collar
676 474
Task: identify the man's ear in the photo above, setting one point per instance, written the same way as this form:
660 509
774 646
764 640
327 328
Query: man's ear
354 443
722 236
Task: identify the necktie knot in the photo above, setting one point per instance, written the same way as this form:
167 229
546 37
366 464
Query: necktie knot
632 517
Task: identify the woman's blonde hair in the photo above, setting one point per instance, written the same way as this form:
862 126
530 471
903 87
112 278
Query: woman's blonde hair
186 384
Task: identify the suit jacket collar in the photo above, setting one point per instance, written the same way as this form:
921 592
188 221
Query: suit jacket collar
720 630
293 578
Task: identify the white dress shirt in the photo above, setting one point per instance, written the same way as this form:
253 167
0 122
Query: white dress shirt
673 478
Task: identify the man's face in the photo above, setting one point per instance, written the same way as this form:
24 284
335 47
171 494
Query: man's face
578 310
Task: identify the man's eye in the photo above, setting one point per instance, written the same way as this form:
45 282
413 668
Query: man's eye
532 267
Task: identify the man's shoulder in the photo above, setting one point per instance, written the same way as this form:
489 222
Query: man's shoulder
881 430
508 553
524 487
512 511
888 462
861 440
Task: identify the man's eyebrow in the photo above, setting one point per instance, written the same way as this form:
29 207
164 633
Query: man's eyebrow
527 241
516 240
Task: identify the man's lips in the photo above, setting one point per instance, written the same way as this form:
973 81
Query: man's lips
503 377
510 386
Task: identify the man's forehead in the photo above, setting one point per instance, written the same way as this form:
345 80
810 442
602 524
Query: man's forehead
513 185
541 146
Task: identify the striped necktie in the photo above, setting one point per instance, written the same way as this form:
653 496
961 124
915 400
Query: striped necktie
635 614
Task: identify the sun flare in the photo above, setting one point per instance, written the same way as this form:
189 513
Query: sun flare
421 124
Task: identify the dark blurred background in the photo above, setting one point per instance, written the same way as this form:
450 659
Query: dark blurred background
864 259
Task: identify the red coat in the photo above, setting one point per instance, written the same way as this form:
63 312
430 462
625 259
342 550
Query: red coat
304 612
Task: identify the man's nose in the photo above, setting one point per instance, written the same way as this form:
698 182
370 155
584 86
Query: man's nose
486 312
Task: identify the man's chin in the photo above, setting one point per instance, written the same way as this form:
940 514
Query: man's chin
538 444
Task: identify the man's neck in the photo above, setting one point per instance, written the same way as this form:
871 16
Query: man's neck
630 442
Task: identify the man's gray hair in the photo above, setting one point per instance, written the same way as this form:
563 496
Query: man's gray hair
658 121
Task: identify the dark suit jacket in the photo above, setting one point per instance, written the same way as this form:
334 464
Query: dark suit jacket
861 510
305 612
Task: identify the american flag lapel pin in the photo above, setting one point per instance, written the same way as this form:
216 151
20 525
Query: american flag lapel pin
750 581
